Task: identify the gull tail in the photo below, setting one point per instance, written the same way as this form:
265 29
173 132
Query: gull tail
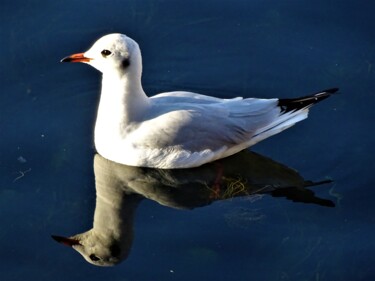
291 112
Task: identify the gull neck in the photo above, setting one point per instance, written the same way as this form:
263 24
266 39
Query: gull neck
123 97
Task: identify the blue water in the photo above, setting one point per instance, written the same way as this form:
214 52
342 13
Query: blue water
222 48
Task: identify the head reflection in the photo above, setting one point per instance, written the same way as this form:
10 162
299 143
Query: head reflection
120 188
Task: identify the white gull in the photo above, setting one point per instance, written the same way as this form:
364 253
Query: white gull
176 129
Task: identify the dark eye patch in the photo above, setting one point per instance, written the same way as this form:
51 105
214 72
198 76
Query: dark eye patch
125 63
106 53
115 250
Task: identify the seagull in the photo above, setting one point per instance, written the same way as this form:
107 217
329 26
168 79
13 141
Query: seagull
176 129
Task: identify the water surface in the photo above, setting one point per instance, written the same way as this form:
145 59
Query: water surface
222 48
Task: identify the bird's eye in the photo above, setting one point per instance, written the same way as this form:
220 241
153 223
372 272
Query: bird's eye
106 53
94 258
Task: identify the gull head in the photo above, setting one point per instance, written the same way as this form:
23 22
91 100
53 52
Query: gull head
95 248
112 54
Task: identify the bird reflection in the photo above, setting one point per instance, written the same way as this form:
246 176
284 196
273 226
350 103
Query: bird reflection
120 188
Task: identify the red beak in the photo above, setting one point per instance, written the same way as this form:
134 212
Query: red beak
76 58
66 241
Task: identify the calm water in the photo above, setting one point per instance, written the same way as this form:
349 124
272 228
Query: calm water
221 48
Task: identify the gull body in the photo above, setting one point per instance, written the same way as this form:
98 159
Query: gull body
176 129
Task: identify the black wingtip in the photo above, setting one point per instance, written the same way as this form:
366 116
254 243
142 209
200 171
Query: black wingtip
331 91
288 105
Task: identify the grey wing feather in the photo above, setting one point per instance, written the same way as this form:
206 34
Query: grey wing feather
187 97
205 126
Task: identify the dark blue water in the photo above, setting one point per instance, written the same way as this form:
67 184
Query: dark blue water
221 48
